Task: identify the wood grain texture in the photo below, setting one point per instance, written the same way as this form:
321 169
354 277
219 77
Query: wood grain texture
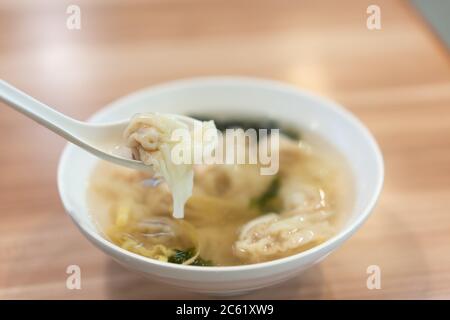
397 80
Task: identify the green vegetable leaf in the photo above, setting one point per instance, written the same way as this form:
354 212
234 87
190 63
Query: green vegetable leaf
269 200
180 256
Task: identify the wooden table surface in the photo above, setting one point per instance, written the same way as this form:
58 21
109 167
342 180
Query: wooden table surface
397 80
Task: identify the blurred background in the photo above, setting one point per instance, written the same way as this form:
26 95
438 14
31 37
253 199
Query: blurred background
396 79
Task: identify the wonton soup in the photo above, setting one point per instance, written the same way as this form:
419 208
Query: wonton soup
235 216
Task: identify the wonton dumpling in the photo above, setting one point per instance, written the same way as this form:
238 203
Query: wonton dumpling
273 235
150 138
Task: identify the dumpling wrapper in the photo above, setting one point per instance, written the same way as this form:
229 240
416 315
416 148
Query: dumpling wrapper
150 137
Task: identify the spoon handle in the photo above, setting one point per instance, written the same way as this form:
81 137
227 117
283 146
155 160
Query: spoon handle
39 112
94 139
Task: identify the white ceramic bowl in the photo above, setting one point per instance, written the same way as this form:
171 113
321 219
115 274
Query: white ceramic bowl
221 96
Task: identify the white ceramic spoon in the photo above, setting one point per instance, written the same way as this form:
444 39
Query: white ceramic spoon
97 138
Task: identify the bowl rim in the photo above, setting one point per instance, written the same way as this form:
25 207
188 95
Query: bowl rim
261 83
